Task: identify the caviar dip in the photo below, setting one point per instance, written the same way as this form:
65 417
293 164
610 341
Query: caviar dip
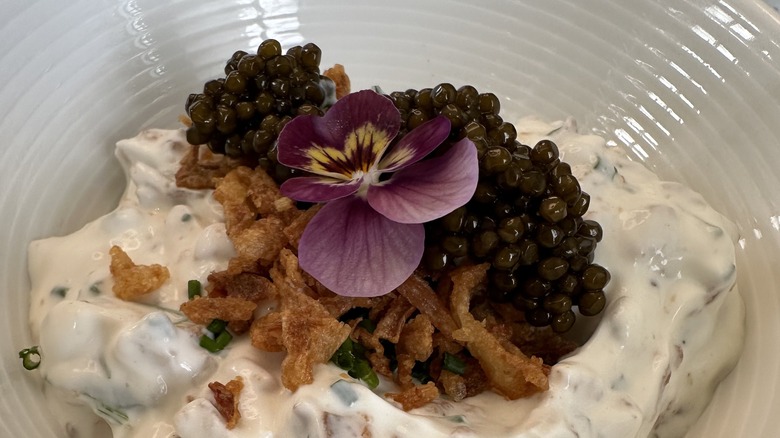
660 320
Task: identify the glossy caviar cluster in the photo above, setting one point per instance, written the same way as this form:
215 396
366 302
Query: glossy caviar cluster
242 114
525 217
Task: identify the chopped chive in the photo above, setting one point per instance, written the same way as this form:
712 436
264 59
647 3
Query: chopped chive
223 339
344 356
358 349
367 324
421 371
390 353
59 291
186 217
350 357
363 371
344 359
454 364
555 130
371 379
208 343
31 358
193 288
114 414
109 413
217 344
95 288
217 326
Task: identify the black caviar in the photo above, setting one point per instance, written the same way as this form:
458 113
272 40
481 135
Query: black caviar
242 113
525 217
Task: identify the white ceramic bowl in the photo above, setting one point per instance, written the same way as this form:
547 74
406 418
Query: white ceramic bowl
690 87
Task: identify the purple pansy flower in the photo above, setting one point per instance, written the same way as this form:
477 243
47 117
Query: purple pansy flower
369 237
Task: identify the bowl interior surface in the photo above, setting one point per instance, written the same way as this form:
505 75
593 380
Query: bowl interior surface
689 87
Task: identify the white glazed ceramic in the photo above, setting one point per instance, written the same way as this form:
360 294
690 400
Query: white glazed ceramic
690 87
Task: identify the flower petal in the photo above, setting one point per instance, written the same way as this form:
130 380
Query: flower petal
429 189
352 136
318 189
355 251
415 145
299 138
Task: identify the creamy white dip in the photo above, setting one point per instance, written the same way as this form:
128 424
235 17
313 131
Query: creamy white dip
672 329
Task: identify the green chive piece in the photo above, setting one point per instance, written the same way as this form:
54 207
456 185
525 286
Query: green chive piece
454 364
371 379
350 357
95 288
31 358
421 371
59 291
367 324
186 217
216 344
114 414
217 326
344 357
223 339
193 288
361 369
359 350
208 343
348 345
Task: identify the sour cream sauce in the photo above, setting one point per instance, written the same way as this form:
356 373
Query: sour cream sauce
672 329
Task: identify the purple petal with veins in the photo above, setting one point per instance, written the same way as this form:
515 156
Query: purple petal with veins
300 135
356 109
355 251
417 144
351 136
429 189
318 189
